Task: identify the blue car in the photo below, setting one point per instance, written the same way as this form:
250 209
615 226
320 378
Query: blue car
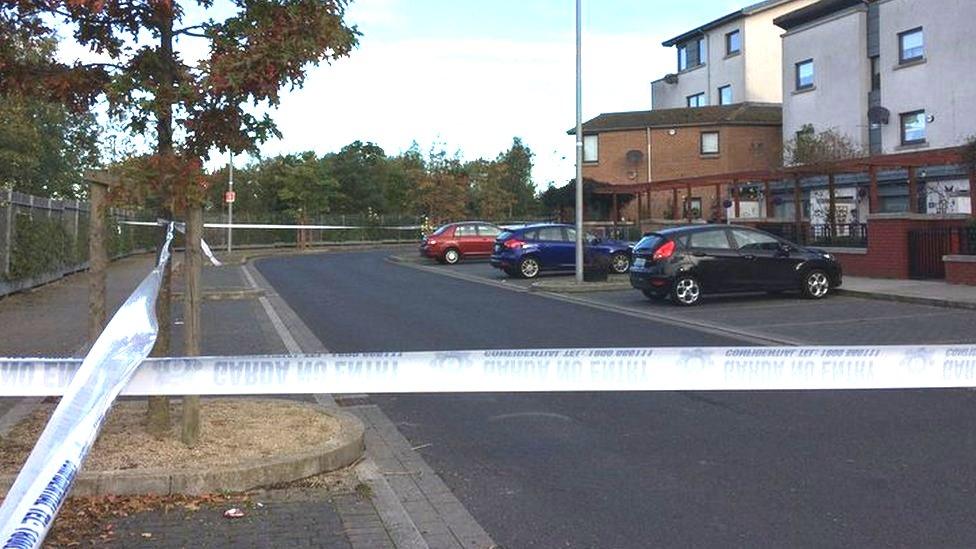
529 250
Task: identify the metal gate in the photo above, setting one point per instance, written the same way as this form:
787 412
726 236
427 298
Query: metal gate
926 247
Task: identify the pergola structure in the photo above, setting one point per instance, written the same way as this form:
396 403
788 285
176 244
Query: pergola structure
910 161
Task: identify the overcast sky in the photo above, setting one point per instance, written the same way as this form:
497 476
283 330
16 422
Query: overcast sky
473 74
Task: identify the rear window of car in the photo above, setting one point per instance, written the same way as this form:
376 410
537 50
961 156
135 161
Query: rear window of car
440 230
505 235
648 243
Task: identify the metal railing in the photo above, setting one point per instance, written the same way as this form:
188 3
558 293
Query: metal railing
848 235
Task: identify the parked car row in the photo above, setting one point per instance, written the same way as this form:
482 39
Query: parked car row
680 264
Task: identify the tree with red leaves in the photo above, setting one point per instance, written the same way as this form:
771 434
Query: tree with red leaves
186 109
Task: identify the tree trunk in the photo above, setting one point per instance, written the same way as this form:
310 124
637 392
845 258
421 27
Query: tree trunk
157 414
192 266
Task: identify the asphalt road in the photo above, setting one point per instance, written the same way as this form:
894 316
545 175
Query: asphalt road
851 468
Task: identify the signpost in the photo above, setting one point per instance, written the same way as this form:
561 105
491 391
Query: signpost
229 198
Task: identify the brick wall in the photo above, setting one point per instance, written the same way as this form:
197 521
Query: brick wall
887 252
961 270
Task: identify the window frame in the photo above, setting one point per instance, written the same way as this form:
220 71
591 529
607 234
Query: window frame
560 231
728 43
902 60
720 90
496 230
875 61
462 231
718 143
691 238
741 247
901 129
703 101
684 54
592 138
813 75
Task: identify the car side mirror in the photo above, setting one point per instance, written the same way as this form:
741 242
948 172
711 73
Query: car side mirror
594 240
784 249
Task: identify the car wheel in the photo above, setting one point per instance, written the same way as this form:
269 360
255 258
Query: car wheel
452 256
686 291
529 267
653 296
620 263
816 285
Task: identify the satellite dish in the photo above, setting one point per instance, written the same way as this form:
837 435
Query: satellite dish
878 115
634 156
671 78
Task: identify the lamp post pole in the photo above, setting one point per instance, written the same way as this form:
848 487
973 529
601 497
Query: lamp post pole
579 143
230 205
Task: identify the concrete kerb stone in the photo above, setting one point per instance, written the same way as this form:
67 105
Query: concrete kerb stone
915 300
571 287
342 450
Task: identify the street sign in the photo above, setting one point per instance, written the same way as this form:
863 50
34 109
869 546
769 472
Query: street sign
229 197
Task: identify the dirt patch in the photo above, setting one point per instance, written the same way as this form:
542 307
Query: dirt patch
233 430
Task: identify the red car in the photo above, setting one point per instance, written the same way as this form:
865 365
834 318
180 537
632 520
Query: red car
449 243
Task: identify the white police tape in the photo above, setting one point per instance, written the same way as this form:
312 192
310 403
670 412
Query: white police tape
280 226
635 369
41 486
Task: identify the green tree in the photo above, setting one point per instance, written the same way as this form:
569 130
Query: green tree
406 171
490 199
362 172
262 47
44 146
517 178
442 192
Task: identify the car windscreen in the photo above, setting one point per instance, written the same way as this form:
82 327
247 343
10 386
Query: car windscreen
648 243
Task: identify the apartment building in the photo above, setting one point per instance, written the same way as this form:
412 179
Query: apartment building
891 75
733 59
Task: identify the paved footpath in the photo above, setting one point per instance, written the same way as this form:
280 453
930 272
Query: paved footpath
243 315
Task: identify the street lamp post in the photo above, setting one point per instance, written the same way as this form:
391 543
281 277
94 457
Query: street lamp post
230 204
579 143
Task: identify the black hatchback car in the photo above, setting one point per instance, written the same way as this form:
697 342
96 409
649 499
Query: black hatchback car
684 262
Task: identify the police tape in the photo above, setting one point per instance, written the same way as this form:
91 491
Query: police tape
43 483
282 226
539 370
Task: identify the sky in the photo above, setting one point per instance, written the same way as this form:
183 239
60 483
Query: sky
470 75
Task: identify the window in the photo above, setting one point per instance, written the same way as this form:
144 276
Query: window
694 207
733 43
551 234
569 235
691 54
912 45
465 230
804 75
714 239
709 143
591 148
875 73
725 95
488 230
752 240
913 127
697 100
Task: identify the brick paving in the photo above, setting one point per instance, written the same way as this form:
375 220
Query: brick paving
285 518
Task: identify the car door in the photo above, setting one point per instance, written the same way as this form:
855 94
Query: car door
466 236
768 266
486 238
718 266
553 248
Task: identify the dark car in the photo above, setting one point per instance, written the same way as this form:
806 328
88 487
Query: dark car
529 250
684 262
454 241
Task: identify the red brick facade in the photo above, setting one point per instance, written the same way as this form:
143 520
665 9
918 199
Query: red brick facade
887 252
671 153
961 270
